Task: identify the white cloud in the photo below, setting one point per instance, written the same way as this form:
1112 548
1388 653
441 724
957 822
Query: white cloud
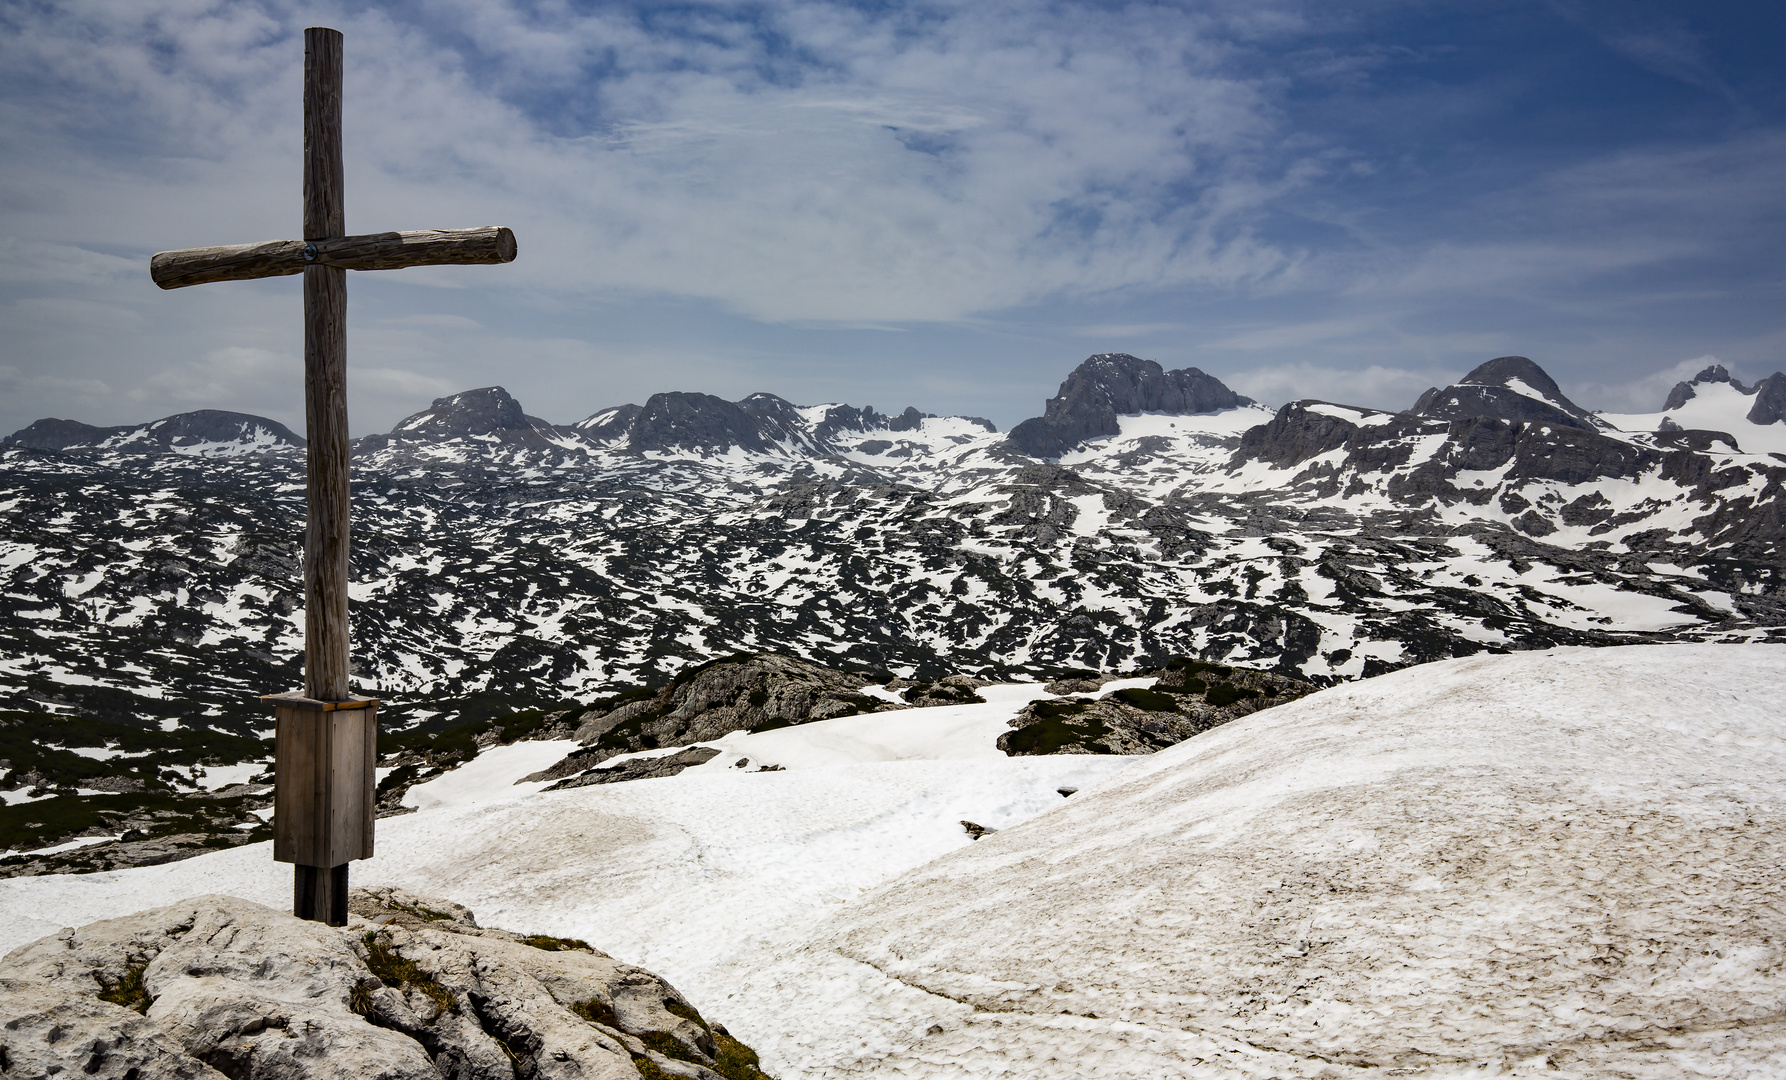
744 187
883 168
1641 393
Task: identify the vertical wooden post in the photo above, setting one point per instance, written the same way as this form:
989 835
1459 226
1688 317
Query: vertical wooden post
307 796
325 378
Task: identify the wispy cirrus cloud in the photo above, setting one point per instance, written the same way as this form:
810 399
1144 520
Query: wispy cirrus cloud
734 197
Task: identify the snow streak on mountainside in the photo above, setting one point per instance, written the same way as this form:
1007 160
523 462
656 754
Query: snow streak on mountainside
498 554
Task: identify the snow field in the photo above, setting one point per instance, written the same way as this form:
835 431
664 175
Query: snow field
677 874
1561 863
1714 406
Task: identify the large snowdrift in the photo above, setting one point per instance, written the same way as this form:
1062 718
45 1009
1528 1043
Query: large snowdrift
1566 861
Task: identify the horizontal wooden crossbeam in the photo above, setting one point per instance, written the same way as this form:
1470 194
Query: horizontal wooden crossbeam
296 700
373 251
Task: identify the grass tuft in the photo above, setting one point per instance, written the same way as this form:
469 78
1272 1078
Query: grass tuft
687 1012
670 1046
734 1060
648 1069
129 990
395 971
597 1011
549 943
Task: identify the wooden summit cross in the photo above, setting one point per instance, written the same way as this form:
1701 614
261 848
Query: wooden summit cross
325 739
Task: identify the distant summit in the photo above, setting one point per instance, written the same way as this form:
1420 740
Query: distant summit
488 414
1505 388
760 423
204 432
1770 400
1769 393
1109 385
1684 392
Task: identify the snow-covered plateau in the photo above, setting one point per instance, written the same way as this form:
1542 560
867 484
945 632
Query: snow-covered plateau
501 558
1562 864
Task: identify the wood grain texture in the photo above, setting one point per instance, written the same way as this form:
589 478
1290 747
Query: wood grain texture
485 245
326 525
326 528
323 785
299 701
325 213
427 247
233 262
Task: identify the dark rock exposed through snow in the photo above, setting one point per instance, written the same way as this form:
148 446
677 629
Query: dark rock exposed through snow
1109 385
1189 697
199 431
1505 388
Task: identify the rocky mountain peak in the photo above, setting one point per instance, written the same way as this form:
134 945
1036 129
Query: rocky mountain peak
209 432
1505 388
760 422
470 412
1503 370
1684 392
1108 385
678 420
1770 400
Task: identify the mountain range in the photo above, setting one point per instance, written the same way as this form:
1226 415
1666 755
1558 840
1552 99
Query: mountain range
151 572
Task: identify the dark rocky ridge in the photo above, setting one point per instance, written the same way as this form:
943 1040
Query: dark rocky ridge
1683 392
1188 698
172 433
488 413
1769 393
1109 385
1770 400
738 693
1486 393
702 422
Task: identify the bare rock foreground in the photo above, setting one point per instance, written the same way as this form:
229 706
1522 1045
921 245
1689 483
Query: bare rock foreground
412 989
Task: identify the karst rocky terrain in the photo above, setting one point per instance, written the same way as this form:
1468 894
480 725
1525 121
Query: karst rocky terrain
507 567
412 987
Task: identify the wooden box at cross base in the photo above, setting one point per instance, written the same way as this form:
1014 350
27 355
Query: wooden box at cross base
323 779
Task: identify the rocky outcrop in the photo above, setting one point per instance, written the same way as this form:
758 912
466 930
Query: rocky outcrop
411 989
1770 400
841 418
952 690
1528 450
608 425
488 414
1505 388
692 422
1109 385
1189 697
1683 392
211 431
1307 429
645 768
760 422
738 693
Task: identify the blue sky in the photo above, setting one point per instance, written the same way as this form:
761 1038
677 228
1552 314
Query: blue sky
940 204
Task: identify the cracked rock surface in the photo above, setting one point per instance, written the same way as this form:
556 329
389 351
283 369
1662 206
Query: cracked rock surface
217 986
